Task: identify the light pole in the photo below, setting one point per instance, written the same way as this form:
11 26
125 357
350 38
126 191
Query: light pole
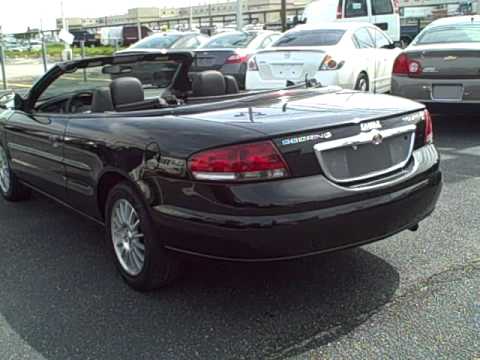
67 52
239 15
190 16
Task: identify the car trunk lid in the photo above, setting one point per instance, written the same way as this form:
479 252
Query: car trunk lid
211 59
289 64
297 125
455 61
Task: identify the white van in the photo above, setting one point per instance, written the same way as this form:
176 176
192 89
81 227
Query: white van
383 13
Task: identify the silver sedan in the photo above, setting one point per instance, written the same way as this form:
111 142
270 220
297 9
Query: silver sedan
441 67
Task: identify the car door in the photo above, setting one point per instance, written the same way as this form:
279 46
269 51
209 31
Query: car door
386 17
385 54
365 59
35 144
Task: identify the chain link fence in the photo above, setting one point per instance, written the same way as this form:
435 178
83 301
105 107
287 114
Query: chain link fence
22 64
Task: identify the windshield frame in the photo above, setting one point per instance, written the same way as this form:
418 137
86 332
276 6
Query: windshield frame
180 83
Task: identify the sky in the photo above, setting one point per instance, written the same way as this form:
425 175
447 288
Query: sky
17 15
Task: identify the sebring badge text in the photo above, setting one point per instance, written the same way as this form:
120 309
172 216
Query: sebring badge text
302 139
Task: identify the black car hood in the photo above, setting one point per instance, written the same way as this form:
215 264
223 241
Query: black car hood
298 111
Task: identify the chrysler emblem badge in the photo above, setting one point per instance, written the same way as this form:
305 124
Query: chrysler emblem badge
377 138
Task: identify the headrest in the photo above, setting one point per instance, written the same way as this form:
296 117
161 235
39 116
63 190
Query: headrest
126 90
209 83
101 100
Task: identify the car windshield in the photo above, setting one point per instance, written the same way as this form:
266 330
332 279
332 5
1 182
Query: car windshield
233 40
468 33
152 74
324 37
156 42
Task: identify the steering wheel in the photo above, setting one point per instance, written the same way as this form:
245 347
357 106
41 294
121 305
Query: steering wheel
70 105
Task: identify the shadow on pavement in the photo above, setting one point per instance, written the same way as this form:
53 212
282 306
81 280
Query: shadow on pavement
60 293
458 140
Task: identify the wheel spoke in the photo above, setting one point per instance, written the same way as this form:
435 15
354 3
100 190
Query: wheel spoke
136 259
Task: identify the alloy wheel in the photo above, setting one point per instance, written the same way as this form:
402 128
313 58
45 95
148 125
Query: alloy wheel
4 171
127 237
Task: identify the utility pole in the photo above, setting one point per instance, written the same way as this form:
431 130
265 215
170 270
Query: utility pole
240 15
190 16
283 15
67 52
2 60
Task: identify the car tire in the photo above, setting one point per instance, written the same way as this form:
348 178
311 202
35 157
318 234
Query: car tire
10 188
362 83
136 247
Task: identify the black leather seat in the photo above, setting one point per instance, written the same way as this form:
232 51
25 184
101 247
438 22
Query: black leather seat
213 83
101 100
128 95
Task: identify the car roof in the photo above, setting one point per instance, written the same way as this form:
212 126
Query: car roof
185 33
340 25
456 20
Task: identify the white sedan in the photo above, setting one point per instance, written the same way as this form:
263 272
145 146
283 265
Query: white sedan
356 56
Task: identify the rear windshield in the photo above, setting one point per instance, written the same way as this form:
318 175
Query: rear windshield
156 42
228 41
468 33
310 38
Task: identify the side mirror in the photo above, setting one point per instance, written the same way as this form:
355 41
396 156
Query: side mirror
389 46
11 100
18 102
398 44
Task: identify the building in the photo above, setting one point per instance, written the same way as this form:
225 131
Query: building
222 9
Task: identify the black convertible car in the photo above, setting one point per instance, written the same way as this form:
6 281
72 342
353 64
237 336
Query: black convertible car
171 165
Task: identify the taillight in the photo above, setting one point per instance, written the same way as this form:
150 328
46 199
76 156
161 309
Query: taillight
329 63
236 59
340 9
428 128
247 162
252 64
403 65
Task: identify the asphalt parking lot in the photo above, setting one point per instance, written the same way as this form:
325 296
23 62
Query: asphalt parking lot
416 295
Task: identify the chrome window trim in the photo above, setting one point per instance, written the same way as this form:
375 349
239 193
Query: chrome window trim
360 139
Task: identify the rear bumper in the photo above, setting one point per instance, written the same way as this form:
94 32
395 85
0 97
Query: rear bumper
298 217
421 90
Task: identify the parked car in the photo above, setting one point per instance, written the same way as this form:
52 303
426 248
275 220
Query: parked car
168 40
90 38
229 52
130 34
194 169
111 36
351 55
441 67
382 13
34 45
15 47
